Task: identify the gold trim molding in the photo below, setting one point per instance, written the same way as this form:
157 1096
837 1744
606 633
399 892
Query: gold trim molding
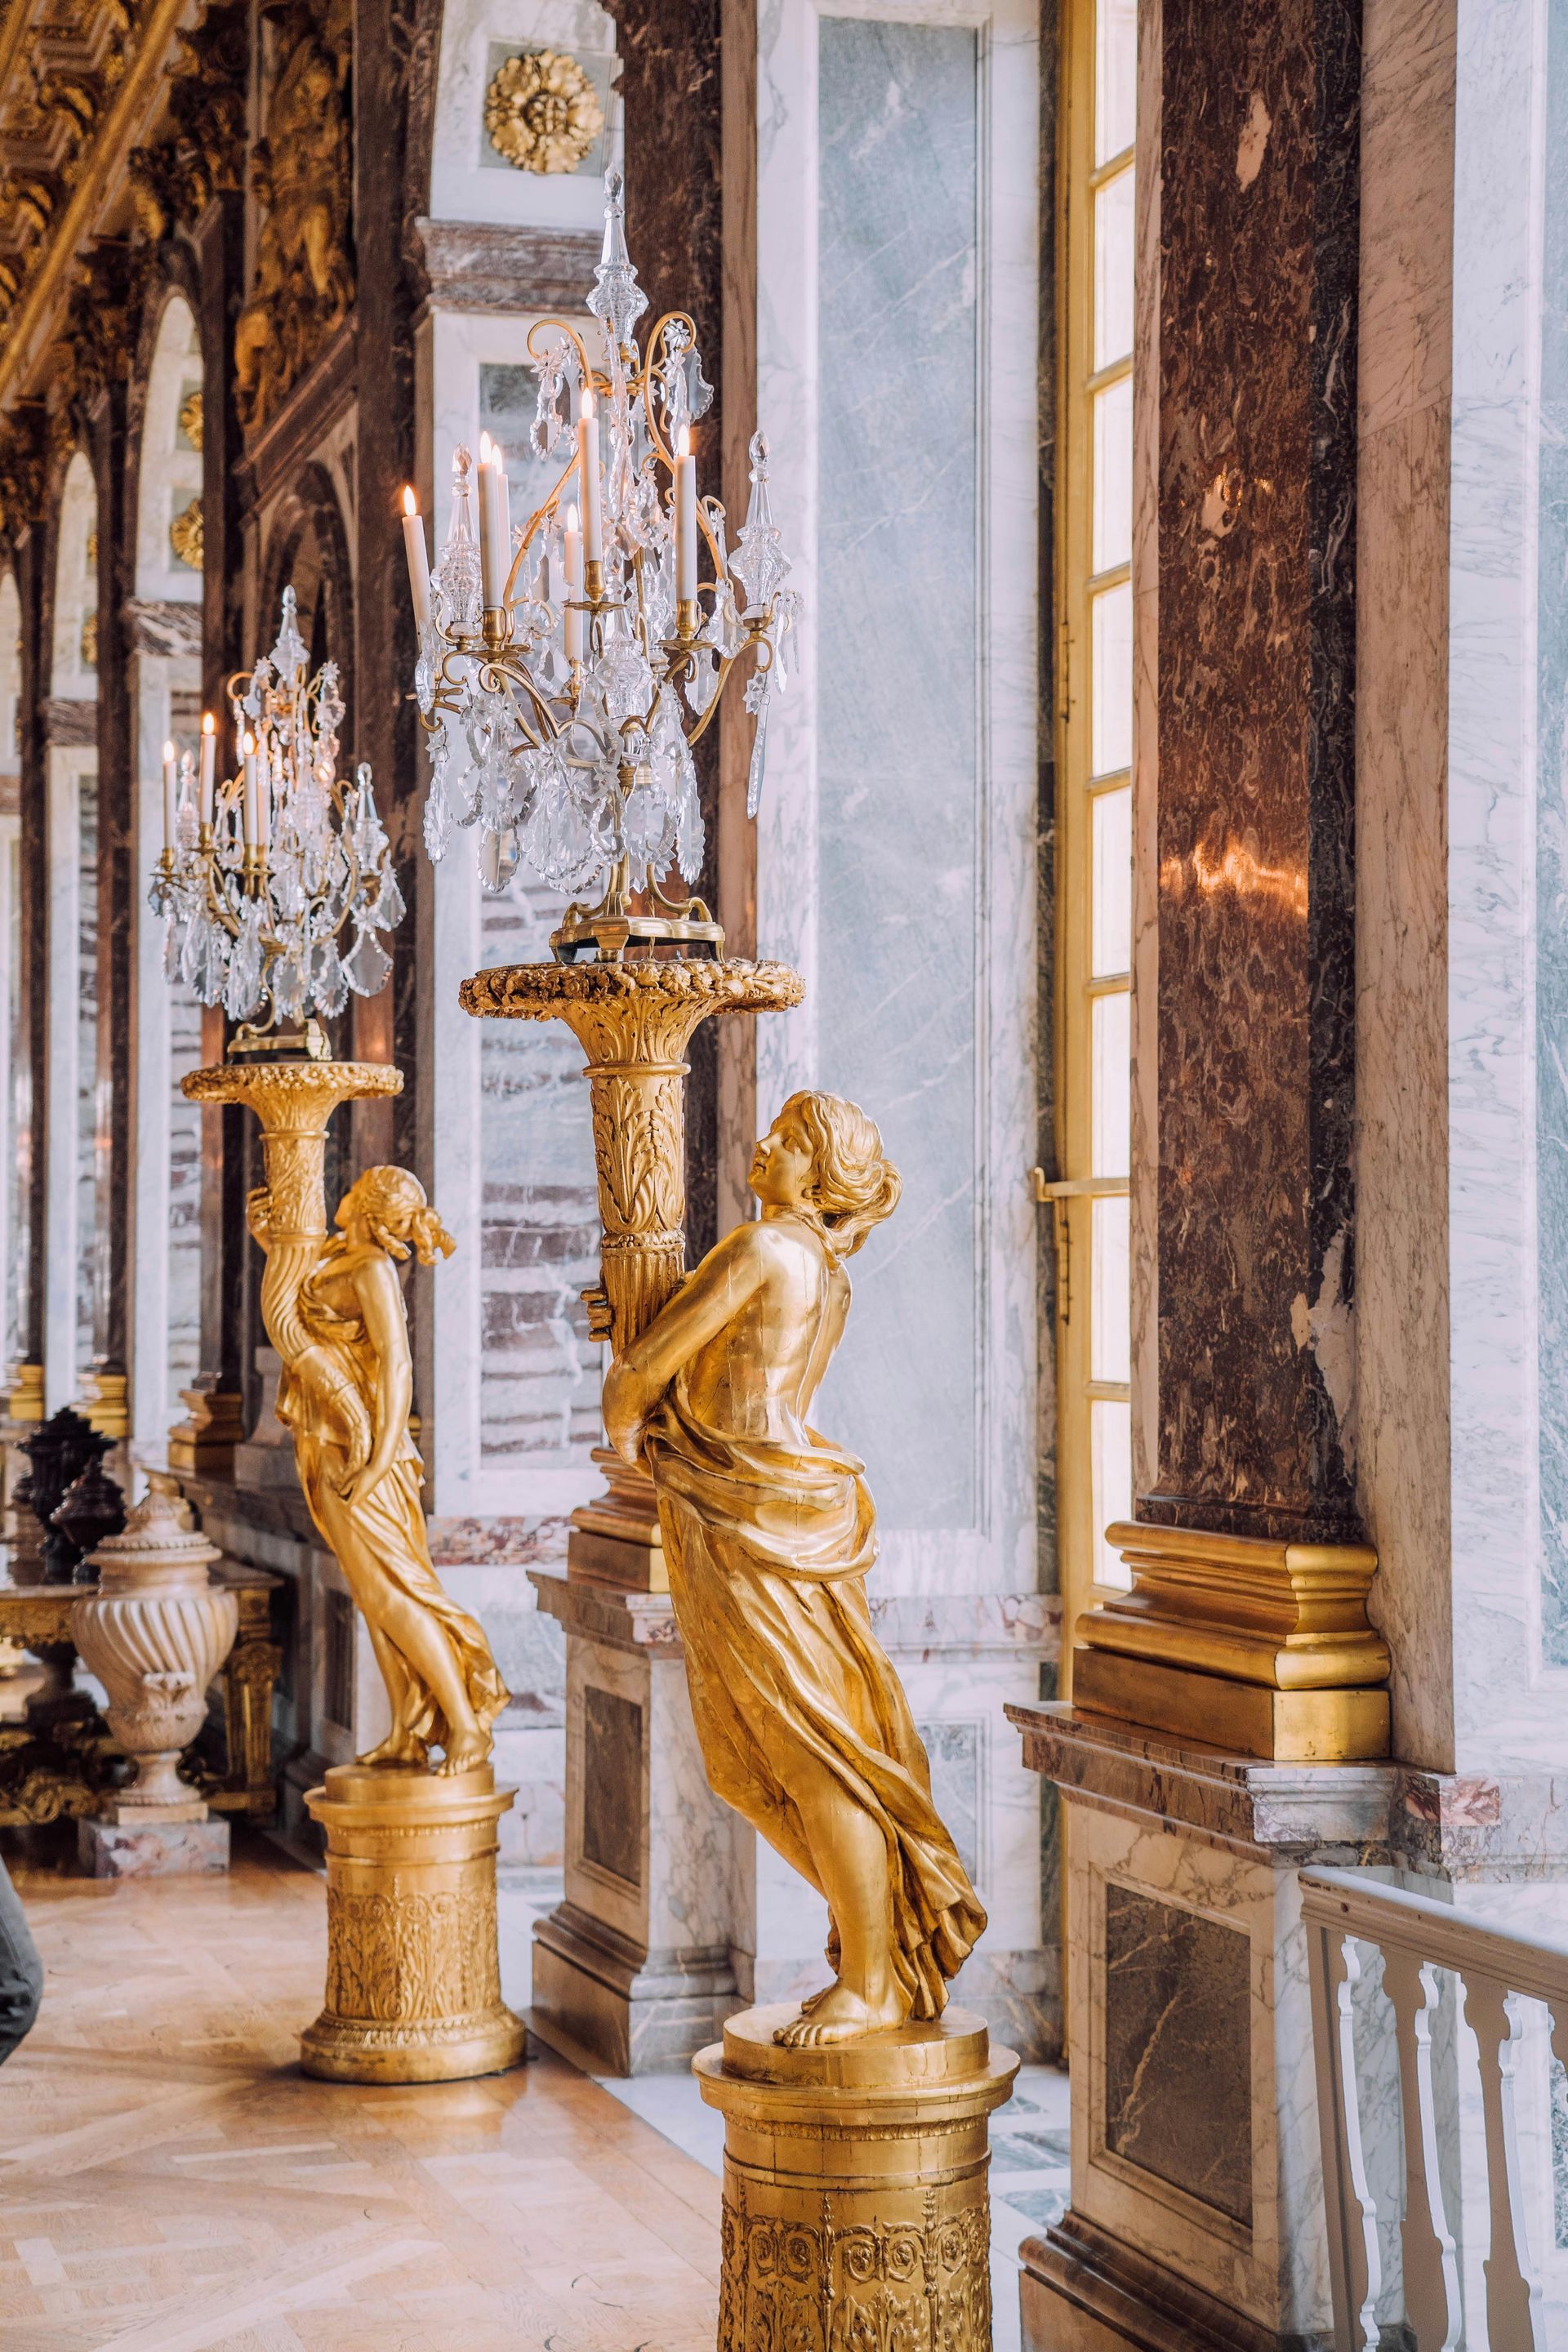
1259 1646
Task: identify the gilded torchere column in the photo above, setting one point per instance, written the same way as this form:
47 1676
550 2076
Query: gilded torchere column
413 1969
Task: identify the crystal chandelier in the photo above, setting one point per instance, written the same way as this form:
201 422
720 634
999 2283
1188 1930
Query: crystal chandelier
567 666
261 872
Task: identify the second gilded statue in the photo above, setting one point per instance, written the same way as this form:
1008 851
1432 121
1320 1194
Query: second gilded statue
335 1312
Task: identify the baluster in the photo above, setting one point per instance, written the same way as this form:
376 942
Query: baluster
1431 2273
1514 2302
1355 2260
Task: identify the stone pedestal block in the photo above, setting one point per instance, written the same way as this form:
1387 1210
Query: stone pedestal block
1197 2214
136 1847
637 1963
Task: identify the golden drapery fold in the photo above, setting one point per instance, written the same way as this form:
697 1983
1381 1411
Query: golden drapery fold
768 1545
381 1543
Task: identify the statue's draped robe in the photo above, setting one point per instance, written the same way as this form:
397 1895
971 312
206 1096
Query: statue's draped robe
328 1398
768 1543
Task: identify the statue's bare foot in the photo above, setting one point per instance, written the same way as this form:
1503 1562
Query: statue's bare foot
465 1755
840 2014
399 1747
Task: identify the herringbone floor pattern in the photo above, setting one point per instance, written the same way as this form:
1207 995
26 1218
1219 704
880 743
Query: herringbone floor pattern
170 2182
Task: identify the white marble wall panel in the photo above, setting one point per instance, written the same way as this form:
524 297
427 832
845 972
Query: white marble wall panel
62 1062
11 1300
820 902
1504 1704
468 180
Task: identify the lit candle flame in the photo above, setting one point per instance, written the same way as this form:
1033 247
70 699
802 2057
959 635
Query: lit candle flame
587 408
683 442
409 505
209 724
168 750
571 517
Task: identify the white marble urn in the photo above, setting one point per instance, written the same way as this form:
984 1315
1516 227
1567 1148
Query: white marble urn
155 1633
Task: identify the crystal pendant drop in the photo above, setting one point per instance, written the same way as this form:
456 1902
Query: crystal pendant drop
389 908
331 987
366 965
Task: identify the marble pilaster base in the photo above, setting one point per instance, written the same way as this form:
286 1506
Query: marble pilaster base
151 1848
637 1963
1196 2213
641 2012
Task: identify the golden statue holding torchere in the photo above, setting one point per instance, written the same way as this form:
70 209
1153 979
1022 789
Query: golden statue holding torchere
769 1529
334 1311
413 1990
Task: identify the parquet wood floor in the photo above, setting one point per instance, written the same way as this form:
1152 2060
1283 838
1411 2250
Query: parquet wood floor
171 2182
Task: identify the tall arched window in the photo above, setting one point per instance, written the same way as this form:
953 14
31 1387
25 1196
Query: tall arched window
70 1280
1094 803
165 689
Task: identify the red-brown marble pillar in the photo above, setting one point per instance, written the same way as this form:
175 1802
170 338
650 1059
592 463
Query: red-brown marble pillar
1255 378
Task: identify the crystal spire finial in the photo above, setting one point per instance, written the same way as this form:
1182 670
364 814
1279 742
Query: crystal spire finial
617 299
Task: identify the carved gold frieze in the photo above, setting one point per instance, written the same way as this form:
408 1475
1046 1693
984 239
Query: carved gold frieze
89 641
186 534
202 154
75 86
303 288
541 111
190 418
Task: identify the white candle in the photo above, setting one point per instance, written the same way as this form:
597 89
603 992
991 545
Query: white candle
503 512
685 519
171 807
248 806
490 573
573 586
418 562
209 754
588 478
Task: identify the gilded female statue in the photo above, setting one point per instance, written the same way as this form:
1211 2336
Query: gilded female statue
340 1325
769 1531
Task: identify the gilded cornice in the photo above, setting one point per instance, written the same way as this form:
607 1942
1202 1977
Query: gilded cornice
76 93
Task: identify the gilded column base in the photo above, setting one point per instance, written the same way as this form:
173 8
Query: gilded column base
1284 1726
412 1968
856 2204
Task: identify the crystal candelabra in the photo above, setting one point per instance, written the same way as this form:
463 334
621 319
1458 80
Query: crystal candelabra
261 871
567 666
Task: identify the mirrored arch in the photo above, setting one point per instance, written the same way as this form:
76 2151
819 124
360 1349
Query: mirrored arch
73 670
169 484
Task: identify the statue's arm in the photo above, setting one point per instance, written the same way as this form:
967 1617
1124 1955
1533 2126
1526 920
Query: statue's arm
706 1301
381 1304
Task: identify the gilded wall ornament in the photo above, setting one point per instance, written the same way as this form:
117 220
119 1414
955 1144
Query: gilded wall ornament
541 111
89 641
185 533
303 286
190 418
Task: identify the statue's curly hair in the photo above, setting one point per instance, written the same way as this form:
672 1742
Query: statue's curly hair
853 1184
393 1203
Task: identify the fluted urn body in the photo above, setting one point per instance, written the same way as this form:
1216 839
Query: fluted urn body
155 1633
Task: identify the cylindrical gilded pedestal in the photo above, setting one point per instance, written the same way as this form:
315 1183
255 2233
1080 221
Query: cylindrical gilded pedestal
856 2204
413 1970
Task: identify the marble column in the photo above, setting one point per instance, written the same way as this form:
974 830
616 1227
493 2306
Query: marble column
117 885
1255 1040
1195 2213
